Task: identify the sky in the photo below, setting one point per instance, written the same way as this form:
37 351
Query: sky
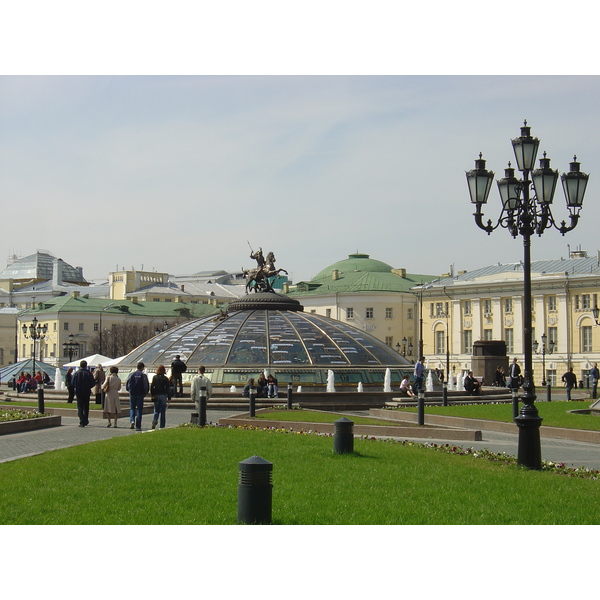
184 172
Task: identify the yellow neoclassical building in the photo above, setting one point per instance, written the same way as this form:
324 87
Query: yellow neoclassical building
486 304
368 294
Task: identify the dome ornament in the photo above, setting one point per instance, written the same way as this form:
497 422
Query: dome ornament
259 279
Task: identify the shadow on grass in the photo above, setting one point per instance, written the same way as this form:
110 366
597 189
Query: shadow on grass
350 455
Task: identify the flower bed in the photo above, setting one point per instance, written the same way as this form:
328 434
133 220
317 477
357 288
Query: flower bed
16 420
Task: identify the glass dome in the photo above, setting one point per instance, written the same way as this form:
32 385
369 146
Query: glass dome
295 346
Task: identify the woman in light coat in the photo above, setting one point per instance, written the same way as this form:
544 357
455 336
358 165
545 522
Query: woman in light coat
112 404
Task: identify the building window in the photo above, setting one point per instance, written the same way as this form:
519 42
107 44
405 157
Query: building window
409 313
467 307
96 327
54 326
369 313
440 309
551 377
553 336
155 299
468 339
349 313
440 338
487 307
508 305
509 339
388 313
389 340
487 335
80 326
586 338
65 326
551 302
328 313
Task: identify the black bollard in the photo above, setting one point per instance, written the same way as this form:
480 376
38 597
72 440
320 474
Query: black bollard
343 438
515 402
40 392
289 396
548 393
421 407
252 401
444 394
255 491
202 411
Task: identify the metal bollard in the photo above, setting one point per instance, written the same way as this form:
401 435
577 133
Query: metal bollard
548 393
40 394
202 411
421 407
255 491
515 402
343 438
252 401
444 394
289 396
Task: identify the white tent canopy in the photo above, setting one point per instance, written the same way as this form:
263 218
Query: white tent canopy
114 361
93 361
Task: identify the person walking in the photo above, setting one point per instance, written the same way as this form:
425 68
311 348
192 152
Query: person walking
69 384
160 392
137 385
112 403
200 381
99 378
570 382
419 374
594 374
514 375
178 367
83 383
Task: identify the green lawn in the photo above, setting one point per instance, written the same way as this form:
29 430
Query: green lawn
554 414
313 416
190 475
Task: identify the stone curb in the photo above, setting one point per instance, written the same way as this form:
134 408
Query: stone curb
368 430
574 435
30 424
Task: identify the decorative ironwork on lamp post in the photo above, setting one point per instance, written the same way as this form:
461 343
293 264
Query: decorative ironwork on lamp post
70 347
36 332
547 348
526 211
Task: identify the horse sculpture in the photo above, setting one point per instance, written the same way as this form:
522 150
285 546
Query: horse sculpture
258 279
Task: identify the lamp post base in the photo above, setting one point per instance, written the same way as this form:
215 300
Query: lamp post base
530 449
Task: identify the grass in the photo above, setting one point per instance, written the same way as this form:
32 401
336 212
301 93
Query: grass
554 414
34 403
190 476
313 416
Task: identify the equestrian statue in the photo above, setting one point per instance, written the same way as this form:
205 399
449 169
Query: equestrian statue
258 279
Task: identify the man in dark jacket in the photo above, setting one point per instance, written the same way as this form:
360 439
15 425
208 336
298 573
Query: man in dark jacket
137 385
570 381
178 367
83 382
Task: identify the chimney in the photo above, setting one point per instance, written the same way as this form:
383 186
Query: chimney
75 294
335 274
57 271
134 299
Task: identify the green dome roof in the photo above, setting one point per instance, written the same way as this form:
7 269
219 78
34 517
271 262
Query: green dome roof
355 262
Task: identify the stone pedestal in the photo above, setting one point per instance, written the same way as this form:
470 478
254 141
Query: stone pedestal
487 357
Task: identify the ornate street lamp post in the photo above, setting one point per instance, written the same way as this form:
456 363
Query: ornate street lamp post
70 347
36 332
545 349
526 211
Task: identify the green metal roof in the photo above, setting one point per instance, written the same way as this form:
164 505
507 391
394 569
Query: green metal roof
81 304
359 273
